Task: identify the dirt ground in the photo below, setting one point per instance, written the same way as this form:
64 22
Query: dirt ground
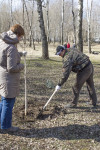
60 127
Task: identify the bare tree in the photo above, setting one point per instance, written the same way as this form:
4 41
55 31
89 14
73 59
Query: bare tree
32 24
24 23
62 23
11 13
5 16
74 26
42 28
89 26
47 20
80 18
29 22
53 21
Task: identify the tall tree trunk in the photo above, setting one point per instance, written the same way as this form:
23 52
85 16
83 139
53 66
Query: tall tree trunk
24 40
80 18
42 28
32 25
89 26
29 23
62 23
11 13
74 26
47 20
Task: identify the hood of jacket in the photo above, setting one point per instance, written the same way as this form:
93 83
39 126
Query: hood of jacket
9 37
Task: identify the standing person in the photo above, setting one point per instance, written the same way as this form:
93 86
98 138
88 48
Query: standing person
74 60
10 68
68 45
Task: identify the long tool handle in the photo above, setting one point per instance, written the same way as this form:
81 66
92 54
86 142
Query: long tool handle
49 99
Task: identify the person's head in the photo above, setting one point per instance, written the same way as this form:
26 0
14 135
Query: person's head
18 30
65 45
60 50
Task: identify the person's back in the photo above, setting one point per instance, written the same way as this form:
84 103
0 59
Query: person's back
77 59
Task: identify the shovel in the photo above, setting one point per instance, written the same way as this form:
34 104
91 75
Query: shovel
40 114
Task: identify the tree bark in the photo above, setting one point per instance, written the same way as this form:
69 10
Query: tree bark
62 23
80 18
42 28
74 26
89 26
47 20
11 23
30 32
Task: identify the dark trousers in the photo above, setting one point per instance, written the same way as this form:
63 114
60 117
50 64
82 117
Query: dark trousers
86 75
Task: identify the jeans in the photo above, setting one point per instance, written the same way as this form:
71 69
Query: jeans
6 107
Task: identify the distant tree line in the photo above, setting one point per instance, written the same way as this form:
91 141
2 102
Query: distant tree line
56 15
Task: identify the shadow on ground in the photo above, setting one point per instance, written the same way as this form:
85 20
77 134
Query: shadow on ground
70 132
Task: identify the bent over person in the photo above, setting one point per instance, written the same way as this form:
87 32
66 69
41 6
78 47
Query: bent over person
76 61
10 68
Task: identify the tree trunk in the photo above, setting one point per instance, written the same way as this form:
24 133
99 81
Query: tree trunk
32 25
62 22
89 38
74 27
11 23
28 22
48 20
89 26
42 28
80 17
24 40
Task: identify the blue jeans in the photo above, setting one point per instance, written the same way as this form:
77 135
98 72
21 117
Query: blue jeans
6 107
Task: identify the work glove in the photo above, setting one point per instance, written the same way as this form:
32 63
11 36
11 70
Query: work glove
24 53
57 88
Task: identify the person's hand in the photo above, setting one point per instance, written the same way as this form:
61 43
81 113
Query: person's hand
24 53
57 88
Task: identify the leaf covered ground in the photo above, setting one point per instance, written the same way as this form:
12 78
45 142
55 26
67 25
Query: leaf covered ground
60 128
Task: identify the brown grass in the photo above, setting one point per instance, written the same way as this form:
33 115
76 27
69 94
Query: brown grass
61 128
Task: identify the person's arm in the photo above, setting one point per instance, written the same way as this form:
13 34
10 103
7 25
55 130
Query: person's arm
24 53
12 65
21 54
67 68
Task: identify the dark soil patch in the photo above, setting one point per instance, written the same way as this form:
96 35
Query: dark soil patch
35 112
52 113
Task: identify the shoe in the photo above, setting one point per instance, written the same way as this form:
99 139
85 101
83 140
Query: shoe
71 105
98 124
95 106
12 129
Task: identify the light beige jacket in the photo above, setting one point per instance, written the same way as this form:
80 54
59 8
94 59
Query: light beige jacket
10 65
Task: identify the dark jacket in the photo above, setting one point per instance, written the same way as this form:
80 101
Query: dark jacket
75 61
